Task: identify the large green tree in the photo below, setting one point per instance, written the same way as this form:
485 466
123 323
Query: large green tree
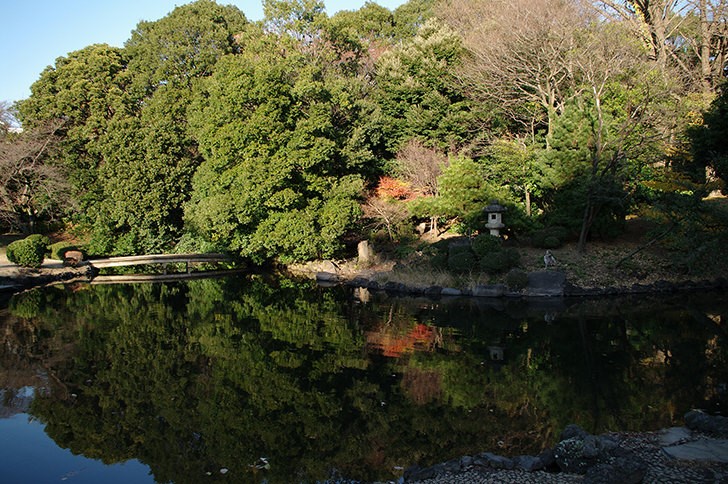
418 95
87 89
280 175
605 133
150 156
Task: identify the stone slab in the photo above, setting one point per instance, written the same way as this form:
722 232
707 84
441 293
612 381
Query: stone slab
706 450
546 283
673 435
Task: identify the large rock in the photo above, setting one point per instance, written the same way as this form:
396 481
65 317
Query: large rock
365 253
546 283
622 470
488 459
577 454
327 277
599 458
673 435
72 258
710 424
571 431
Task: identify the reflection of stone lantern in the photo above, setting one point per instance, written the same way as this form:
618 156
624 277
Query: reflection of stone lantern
496 353
495 222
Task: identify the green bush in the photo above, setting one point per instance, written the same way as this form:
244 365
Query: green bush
550 237
484 244
38 238
500 261
28 252
59 249
439 261
460 258
551 242
462 262
517 279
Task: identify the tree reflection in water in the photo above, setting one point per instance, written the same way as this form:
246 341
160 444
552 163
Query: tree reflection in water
290 382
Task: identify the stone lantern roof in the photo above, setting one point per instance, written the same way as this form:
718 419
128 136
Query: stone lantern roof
495 207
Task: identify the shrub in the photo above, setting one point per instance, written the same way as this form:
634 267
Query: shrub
28 252
59 249
461 258
39 239
550 237
517 279
500 261
462 262
551 242
484 244
439 261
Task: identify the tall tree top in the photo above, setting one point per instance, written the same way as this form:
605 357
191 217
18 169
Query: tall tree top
183 45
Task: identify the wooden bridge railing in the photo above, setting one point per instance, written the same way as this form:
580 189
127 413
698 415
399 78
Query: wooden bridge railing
137 260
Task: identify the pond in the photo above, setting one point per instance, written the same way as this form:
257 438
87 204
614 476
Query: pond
258 379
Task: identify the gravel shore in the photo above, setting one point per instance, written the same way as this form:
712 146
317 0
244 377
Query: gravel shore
661 468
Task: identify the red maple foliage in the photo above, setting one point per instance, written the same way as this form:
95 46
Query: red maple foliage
389 187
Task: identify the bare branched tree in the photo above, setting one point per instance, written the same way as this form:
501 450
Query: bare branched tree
7 118
386 215
420 166
520 52
691 35
31 186
653 21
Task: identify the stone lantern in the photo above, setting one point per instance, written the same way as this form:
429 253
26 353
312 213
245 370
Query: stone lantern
495 221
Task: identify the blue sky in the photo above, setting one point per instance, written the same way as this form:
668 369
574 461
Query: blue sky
36 32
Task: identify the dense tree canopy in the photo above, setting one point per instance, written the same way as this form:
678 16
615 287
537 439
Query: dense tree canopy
280 175
266 138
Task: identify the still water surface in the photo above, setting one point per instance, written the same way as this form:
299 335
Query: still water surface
259 380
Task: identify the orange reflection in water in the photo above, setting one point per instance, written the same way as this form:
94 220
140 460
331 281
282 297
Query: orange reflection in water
396 341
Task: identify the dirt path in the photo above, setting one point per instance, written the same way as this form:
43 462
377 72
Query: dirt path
8 269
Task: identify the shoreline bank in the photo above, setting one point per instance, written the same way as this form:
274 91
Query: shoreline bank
695 453
547 283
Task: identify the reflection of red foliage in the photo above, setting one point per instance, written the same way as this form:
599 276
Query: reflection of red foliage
420 337
389 187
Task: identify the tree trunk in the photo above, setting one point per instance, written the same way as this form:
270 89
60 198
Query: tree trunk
585 225
433 225
705 67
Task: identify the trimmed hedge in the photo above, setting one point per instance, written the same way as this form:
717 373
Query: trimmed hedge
59 249
485 244
550 237
461 259
28 252
500 261
517 279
